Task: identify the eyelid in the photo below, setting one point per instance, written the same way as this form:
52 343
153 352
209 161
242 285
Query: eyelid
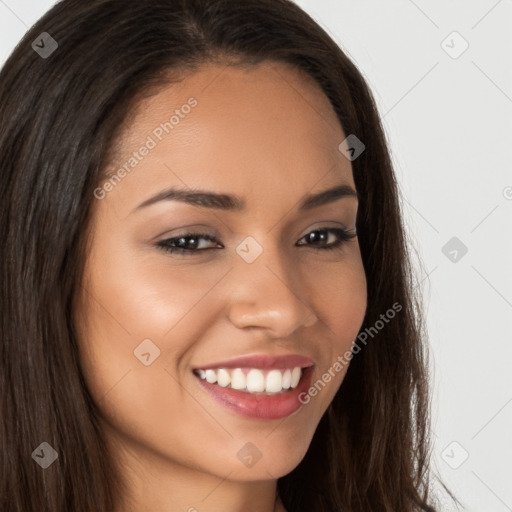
343 235
164 244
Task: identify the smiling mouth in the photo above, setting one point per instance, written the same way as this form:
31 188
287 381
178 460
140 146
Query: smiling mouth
254 381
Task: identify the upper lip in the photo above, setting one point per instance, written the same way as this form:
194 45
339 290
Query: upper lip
262 361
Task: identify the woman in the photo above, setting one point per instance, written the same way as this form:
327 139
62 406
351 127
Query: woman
206 297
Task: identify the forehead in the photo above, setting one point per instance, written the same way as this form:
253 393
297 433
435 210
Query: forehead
227 127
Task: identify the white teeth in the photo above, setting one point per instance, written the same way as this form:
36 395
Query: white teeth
295 377
211 376
253 380
274 381
223 378
287 379
238 380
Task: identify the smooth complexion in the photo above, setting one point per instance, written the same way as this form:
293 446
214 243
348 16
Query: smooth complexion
268 135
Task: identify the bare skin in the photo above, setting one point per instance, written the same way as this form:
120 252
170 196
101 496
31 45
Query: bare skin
270 136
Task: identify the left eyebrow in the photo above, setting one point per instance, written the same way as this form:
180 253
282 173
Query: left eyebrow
327 196
207 199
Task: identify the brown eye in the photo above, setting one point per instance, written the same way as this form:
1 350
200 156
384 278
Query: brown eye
186 243
190 243
320 237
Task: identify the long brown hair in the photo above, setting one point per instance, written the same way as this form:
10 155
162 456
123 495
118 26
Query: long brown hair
61 116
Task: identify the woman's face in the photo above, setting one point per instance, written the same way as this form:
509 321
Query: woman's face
266 275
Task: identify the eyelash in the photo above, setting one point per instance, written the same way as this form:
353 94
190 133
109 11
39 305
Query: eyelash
343 236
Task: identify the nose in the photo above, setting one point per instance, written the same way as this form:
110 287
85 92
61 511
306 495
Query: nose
269 294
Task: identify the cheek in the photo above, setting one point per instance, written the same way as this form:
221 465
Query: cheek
135 313
143 298
142 319
132 297
340 296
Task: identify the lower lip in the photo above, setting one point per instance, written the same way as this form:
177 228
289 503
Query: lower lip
268 407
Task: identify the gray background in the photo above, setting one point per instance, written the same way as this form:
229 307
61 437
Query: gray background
448 118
